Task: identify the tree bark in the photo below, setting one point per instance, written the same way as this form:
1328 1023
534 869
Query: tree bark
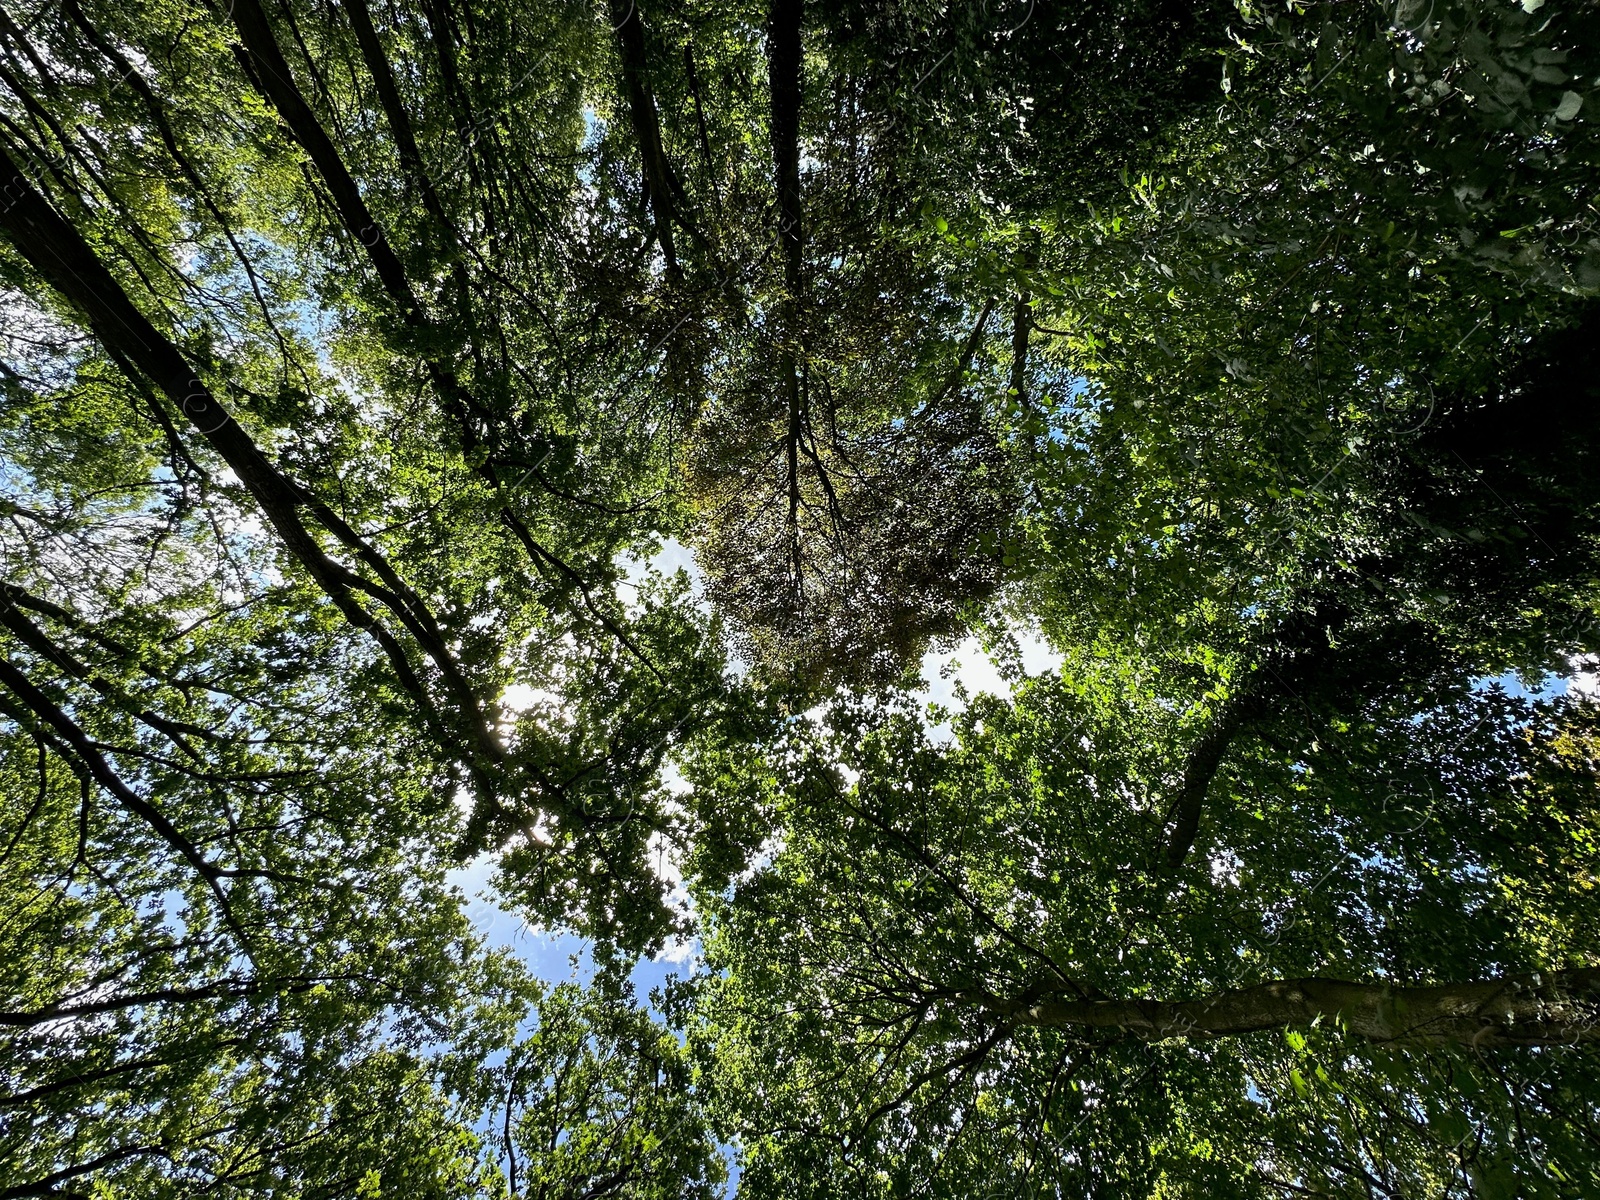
784 78
276 82
1200 768
646 122
1021 313
394 110
1541 1008
240 989
1299 647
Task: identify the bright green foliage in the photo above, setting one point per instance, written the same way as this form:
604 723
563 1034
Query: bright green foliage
596 1100
354 352
863 1023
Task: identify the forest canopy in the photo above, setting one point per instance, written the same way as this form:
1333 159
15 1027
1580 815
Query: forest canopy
359 359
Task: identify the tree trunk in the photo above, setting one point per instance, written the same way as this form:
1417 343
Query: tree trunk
784 78
1020 316
785 83
646 122
1536 1009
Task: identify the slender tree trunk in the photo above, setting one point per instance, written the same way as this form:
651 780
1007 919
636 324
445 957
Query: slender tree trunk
277 83
784 76
1020 314
785 82
1535 1009
700 121
646 121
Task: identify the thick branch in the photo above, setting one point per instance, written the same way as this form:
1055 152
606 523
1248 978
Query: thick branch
784 77
1300 647
59 253
177 732
76 1077
225 990
963 363
272 73
646 122
1513 1010
1200 768
405 138
394 109
47 1185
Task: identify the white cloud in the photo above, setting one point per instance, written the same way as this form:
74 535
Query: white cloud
680 951
978 673
1586 678
672 556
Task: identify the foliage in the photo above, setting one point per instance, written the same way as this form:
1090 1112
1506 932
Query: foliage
356 357
868 1014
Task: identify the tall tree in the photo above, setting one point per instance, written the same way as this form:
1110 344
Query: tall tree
971 968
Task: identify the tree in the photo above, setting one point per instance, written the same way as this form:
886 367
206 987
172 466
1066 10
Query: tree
971 971
221 370
262 598
354 353
1266 529
597 1100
